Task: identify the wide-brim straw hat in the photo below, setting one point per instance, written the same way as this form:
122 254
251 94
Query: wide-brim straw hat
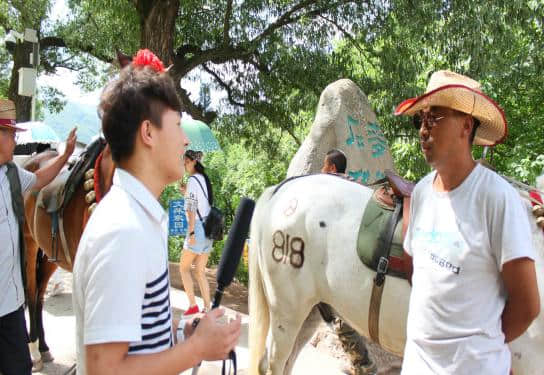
463 94
8 115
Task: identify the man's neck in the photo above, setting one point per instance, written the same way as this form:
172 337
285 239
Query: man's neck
146 174
451 175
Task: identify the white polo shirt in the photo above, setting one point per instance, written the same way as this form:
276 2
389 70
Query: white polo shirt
121 283
12 295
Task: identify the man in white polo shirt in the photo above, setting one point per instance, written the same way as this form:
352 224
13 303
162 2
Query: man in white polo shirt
121 284
15 181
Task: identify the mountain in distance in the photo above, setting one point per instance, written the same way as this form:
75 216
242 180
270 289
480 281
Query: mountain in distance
83 116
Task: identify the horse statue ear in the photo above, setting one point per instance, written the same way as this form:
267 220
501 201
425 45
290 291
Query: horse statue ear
123 59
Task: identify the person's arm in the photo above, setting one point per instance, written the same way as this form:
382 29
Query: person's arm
408 263
523 301
191 227
210 341
47 173
191 205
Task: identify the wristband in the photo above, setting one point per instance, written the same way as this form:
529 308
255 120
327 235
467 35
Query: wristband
192 233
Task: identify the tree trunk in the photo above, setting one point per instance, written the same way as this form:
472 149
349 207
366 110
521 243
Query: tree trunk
23 104
157 27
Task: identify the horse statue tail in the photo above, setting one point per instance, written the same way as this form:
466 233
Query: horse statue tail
259 317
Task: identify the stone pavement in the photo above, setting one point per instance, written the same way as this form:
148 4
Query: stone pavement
59 323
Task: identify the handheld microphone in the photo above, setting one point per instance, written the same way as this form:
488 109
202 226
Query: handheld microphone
232 252
234 246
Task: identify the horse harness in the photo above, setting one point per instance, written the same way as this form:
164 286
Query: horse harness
401 193
55 197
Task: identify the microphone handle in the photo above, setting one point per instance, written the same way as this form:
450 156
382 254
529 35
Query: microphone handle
217 296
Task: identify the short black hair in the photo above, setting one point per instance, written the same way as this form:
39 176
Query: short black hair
138 94
338 158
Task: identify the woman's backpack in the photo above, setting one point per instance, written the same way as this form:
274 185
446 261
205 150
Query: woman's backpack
215 221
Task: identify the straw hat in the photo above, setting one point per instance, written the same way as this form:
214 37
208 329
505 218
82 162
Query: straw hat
463 94
8 115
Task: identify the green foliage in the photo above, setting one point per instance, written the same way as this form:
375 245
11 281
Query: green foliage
499 44
175 245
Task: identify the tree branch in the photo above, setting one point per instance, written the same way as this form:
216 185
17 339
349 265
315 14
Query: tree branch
226 26
286 18
57 42
196 111
351 39
224 85
283 120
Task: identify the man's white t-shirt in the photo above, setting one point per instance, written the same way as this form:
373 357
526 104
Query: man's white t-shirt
195 196
459 241
121 284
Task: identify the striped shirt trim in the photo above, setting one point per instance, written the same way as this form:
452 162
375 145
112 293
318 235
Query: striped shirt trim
156 322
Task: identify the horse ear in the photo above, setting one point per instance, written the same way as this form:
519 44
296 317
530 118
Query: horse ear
123 59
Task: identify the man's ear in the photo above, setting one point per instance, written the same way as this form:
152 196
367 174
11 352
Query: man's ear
146 132
468 124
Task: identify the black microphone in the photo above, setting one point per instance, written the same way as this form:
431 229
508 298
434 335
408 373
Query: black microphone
234 246
232 252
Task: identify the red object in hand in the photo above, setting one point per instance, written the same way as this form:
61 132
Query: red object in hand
145 57
533 194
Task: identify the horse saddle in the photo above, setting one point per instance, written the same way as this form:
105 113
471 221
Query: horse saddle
400 186
385 220
50 198
56 195
372 237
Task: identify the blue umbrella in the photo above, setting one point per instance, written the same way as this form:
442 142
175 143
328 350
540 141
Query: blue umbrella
37 132
200 136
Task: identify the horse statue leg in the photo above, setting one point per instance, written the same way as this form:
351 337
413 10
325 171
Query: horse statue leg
352 343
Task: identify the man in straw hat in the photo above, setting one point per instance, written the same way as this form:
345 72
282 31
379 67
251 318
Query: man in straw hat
468 243
14 181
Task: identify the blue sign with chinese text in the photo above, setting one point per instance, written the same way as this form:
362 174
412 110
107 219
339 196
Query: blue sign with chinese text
177 221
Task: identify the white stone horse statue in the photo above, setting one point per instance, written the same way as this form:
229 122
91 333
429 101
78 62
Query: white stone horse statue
303 251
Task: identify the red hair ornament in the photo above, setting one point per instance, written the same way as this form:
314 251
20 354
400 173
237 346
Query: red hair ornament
145 57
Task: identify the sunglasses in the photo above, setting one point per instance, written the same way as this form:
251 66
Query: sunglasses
426 119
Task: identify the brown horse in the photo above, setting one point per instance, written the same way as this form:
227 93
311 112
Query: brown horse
42 247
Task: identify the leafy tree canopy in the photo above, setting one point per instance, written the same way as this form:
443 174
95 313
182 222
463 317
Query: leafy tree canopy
498 43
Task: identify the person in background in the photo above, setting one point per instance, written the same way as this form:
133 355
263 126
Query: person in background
197 247
335 162
14 182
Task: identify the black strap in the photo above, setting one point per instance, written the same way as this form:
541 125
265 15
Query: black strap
206 195
232 357
204 191
386 241
17 202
